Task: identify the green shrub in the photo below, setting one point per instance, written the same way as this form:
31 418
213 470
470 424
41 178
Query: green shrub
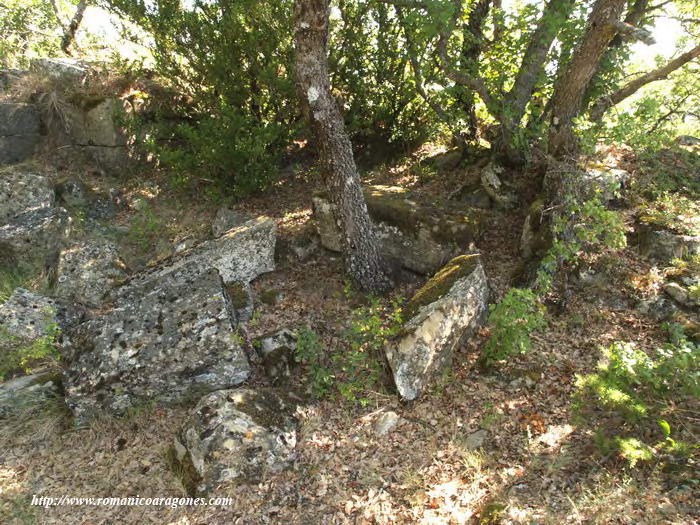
645 394
19 355
353 367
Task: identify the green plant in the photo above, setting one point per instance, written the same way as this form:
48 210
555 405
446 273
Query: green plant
675 212
145 228
354 367
10 280
642 393
18 354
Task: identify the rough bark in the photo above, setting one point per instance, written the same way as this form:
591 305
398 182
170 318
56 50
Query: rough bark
555 13
73 27
360 246
571 86
604 103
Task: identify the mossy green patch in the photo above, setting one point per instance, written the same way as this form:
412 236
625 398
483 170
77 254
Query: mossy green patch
270 297
86 101
441 283
238 294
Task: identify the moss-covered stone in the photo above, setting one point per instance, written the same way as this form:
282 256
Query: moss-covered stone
441 283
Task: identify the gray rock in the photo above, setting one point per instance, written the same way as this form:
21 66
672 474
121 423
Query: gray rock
304 246
88 270
664 245
687 140
676 291
420 234
226 218
447 160
26 392
19 119
386 423
476 440
171 340
27 315
240 434
449 308
61 70
17 148
240 255
497 190
31 242
277 353
72 193
607 183
21 191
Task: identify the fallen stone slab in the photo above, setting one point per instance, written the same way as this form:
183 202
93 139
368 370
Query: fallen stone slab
31 241
175 340
239 435
240 255
448 309
665 245
88 270
23 190
421 234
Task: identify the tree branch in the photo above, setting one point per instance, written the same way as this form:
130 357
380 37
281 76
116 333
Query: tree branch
631 32
604 103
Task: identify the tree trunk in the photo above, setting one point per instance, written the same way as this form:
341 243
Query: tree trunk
472 44
604 103
554 15
571 86
360 246
72 28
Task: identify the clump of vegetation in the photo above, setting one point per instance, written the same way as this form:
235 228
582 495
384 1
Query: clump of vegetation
354 367
638 401
19 355
674 212
583 226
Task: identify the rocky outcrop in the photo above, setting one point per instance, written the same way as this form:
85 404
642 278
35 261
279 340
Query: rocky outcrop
240 256
20 126
420 234
225 219
23 190
449 308
161 342
88 270
239 435
62 70
31 241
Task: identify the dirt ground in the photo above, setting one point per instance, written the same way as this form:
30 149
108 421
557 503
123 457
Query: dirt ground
536 463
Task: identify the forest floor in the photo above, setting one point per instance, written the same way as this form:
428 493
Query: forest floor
537 462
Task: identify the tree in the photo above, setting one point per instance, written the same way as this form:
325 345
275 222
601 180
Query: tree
72 29
360 246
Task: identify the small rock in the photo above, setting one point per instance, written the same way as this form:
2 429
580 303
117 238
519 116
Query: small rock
238 434
476 440
277 351
386 423
22 191
676 291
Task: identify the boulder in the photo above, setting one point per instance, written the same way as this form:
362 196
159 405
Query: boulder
500 192
225 219
168 340
21 191
32 240
22 393
240 256
421 234
61 70
665 245
277 352
20 126
19 119
606 183
448 309
29 316
240 434
88 270
17 148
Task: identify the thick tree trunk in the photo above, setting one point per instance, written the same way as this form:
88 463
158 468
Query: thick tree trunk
604 103
72 28
360 246
472 44
554 15
571 86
